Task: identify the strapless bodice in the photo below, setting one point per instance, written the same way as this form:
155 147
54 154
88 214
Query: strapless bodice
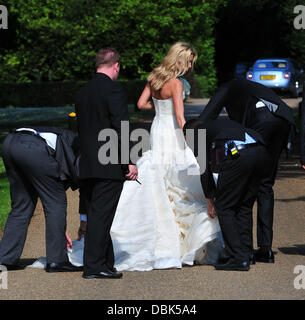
164 107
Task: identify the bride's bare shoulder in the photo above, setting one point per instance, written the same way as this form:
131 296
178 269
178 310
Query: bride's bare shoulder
174 83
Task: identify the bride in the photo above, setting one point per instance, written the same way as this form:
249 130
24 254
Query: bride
163 223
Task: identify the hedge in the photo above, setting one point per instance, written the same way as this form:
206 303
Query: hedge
54 94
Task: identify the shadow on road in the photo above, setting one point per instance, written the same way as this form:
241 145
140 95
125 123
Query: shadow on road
297 249
291 199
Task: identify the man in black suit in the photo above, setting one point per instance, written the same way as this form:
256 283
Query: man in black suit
40 162
101 105
236 155
259 108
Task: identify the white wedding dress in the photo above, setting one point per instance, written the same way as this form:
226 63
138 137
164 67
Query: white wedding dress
163 223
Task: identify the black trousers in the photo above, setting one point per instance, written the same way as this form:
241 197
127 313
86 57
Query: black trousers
265 197
33 172
236 191
102 198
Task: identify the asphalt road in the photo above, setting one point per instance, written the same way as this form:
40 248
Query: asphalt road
263 282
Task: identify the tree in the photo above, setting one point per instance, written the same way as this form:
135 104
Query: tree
58 39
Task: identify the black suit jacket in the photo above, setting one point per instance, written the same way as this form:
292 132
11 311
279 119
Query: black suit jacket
218 131
66 155
100 104
239 97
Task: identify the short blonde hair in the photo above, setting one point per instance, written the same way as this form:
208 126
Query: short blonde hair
175 64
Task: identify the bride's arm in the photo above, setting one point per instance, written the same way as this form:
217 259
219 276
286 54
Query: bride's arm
177 95
144 101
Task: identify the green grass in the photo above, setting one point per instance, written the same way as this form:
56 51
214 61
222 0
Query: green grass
5 199
20 116
12 118
16 117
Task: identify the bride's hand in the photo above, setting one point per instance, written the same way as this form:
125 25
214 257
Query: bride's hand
211 209
69 241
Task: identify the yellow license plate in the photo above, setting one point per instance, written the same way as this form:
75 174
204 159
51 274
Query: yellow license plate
267 77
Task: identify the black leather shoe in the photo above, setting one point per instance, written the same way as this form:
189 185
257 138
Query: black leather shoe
112 269
265 256
103 274
222 261
62 267
233 266
11 267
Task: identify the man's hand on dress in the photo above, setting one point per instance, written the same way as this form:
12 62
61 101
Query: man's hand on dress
133 172
211 209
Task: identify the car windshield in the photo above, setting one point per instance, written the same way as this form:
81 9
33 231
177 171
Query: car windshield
271 64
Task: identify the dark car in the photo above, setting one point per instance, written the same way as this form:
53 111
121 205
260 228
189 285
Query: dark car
277 74
241 69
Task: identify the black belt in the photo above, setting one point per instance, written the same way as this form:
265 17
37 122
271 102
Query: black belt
218 152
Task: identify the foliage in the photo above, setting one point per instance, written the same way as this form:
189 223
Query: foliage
5 203
54 94
293 38
57 40
206 85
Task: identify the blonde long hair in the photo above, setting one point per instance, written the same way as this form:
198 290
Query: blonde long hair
174 64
